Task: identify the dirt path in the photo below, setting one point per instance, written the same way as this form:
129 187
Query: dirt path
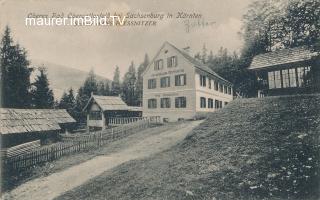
58 183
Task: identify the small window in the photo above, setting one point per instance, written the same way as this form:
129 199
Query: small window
180 80
225 90
172 61
95 115
229 90
218 104
203 81
158 64
180 102
220 88
165 82
210 103
209 81
165 103
216 86
152 103
202 102
152 83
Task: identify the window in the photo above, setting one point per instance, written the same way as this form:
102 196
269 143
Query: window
152 83
216 86
202 102
180 102
152 103
277 79
172 61
209 83
271 80
158 64
225 89
220 87
217 104
293 77
165 82
229 90
210 103
165 103
95 115
203 81
285 78
180 80
303 75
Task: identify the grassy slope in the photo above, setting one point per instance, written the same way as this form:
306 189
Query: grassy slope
252 149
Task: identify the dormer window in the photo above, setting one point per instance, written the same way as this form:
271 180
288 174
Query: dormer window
172 61
158 64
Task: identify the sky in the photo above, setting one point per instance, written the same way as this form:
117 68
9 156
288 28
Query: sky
103 47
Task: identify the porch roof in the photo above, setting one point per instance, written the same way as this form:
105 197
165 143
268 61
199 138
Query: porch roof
108 103
283 57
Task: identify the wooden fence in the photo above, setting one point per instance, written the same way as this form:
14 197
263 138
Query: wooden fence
114 121
71 144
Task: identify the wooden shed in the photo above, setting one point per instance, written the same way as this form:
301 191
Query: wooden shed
100 109
18 126
287 71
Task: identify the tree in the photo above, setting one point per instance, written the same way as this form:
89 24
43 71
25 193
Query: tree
68 102
204 54
129 86
139 85
15 74
84 93
42 95
115 86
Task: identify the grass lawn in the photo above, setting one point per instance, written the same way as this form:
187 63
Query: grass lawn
253 149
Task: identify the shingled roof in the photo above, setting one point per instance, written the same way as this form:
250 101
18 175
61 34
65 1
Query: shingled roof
108 102
32 120
282 57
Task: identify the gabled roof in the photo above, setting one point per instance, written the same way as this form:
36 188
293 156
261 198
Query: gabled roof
282 57
198 64
32 120
193 61
108 102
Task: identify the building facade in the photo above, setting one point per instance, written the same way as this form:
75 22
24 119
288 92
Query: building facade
177 86
100 109
287 71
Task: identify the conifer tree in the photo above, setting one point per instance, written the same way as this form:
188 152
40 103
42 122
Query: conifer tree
116 85
139 85
42 95
129 85
15 74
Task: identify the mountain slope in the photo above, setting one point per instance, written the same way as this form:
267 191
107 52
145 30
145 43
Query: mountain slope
252 149
62 78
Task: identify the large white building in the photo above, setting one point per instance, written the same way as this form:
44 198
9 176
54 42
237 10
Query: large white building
177 86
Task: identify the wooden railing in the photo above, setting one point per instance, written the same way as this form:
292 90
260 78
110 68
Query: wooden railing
114 121
72 143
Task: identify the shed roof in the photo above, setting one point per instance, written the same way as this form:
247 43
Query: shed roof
32 120
282 57
108 102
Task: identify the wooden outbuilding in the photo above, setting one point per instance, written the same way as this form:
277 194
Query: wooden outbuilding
18 126
101 109
287 71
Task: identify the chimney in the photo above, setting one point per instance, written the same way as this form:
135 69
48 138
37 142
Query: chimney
186 49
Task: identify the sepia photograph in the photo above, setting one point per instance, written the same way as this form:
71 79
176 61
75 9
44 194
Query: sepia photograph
160 100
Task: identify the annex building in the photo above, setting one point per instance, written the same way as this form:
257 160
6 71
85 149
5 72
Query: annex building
287 71
178 86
